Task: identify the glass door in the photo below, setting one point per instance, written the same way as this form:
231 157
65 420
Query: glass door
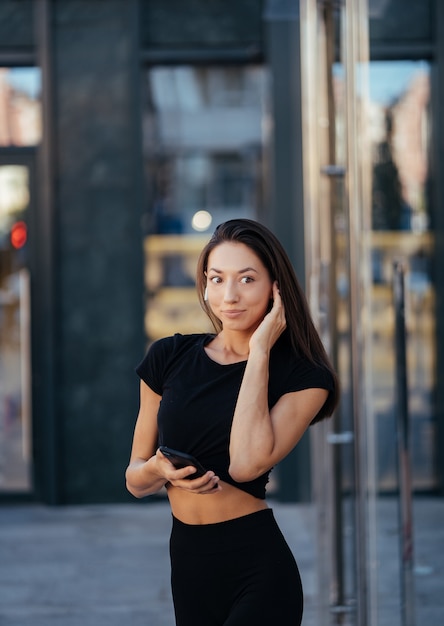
401 235
368 210
15 312
335 58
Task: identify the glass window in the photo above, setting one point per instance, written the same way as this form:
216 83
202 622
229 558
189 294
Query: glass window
203 151
15 411
20 106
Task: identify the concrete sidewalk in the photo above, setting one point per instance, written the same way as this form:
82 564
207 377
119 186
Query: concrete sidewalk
108 564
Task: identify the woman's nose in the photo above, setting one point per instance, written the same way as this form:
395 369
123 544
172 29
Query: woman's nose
230 293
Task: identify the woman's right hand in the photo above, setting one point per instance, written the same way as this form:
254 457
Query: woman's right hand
206 484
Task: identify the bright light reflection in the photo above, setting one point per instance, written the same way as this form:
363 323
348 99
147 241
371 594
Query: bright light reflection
201 220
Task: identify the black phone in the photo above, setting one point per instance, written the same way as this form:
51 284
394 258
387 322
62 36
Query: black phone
182 459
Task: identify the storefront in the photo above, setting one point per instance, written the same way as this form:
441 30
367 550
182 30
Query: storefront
128 131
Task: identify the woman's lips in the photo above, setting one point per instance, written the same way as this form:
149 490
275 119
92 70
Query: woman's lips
232 312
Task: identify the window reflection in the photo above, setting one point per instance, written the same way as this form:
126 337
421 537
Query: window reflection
20 106
400 130
15 408
203 160
401 225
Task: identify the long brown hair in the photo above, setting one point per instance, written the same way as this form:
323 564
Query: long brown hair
300 330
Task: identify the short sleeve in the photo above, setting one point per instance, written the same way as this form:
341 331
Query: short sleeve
306 375
290 371
152 368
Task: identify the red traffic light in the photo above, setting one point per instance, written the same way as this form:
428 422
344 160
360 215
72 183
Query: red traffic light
19 235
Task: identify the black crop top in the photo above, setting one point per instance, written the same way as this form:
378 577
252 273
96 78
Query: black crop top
199 396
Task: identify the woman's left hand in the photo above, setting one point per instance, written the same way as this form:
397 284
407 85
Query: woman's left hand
206 484
271 327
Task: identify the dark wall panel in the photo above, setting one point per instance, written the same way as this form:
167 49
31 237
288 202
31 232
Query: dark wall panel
200 23
16 24
397 21
99 247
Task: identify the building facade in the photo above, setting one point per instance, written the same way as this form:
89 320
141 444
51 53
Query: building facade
128 130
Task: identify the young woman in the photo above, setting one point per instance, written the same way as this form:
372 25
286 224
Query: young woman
239 401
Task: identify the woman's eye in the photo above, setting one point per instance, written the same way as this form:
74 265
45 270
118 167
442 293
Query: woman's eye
215 279
246 279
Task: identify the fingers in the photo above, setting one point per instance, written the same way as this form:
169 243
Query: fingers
276 292
278 308
272 326
211 487
207 484
183 477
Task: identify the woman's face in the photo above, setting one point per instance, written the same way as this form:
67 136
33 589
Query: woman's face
239 286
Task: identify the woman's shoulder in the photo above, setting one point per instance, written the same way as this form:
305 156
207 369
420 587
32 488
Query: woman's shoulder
289 364
166 353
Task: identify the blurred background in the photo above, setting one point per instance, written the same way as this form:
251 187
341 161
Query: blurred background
128 130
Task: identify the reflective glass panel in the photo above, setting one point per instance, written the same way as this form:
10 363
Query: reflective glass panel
401 231
15 412
203 142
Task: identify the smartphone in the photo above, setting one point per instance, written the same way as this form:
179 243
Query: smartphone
182 459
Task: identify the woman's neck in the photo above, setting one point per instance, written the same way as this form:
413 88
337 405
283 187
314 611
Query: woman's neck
230 347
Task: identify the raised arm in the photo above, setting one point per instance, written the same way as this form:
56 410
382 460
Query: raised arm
261 438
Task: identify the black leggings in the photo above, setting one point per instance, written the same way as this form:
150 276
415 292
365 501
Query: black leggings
234 573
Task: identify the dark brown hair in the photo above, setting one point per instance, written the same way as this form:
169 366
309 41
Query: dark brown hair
300 330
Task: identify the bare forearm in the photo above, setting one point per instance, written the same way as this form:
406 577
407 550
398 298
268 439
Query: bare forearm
252 438
142 478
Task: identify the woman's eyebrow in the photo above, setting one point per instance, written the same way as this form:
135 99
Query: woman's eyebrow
246 269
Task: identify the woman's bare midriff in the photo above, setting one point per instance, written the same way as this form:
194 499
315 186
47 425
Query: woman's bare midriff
226 504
